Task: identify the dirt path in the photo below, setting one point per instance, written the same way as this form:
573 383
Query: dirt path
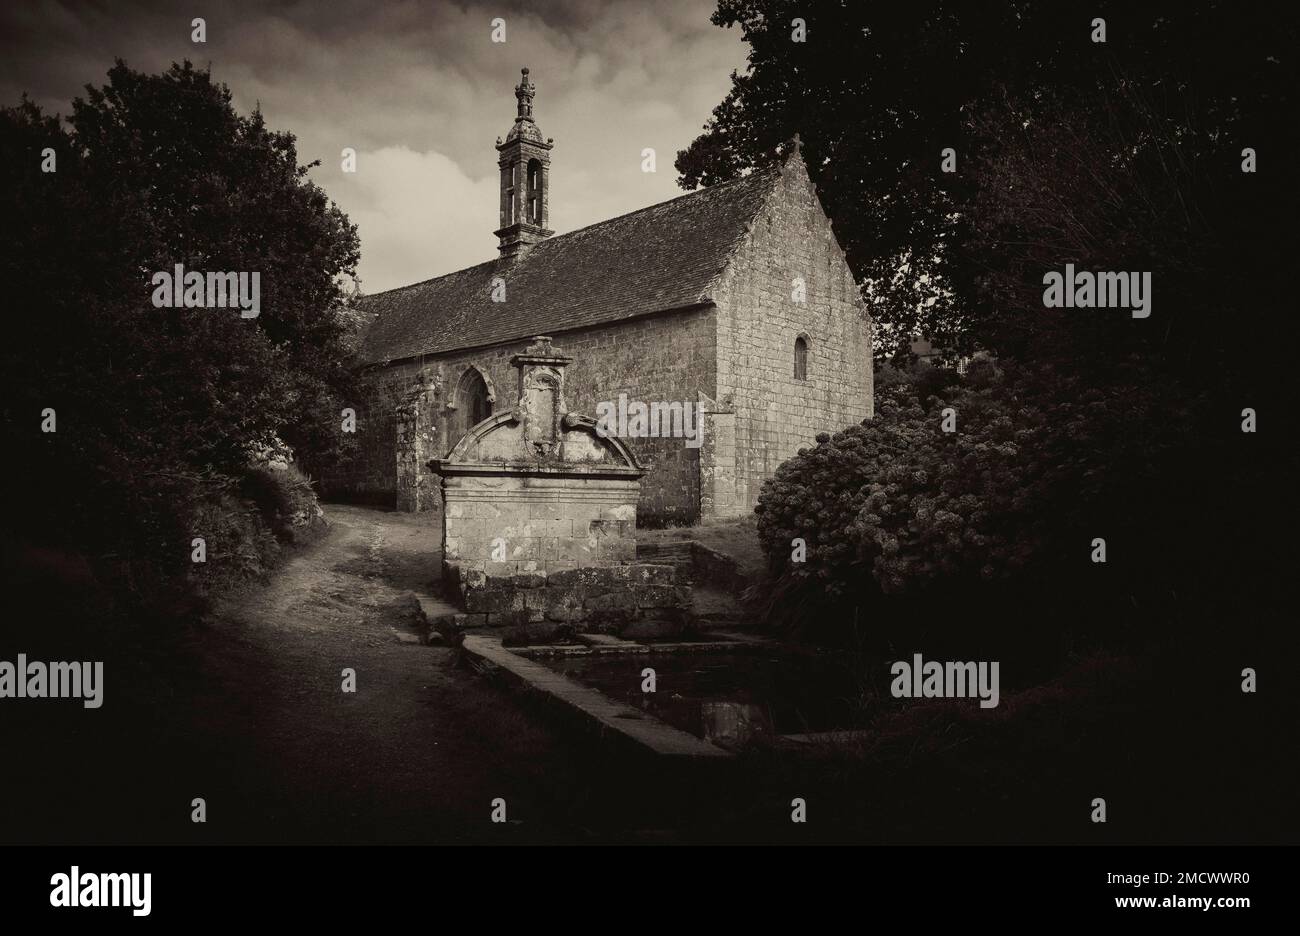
416 754
247 712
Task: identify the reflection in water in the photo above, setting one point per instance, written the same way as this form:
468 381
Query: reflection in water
733 698
733 724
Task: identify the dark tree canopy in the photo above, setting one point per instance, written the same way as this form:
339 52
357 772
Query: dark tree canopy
1121 156
156 406
1028 102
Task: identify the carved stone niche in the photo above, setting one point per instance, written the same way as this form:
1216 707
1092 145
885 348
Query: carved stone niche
541 407
540 430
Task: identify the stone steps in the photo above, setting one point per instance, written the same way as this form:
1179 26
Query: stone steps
679 555
431 611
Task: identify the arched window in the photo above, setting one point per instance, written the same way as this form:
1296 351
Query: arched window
473 404
801 358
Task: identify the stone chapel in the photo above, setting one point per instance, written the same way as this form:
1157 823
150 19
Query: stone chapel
736 297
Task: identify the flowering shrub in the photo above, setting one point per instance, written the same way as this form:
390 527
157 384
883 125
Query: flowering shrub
270 451
1035 461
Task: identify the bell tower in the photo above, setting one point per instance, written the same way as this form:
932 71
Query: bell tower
525 162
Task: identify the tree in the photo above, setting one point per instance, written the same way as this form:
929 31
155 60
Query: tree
877 92
157 408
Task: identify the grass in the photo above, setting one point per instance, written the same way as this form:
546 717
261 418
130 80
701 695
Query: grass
736 538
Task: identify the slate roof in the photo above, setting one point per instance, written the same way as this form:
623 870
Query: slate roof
666 256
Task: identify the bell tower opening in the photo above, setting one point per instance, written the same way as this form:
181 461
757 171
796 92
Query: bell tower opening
535 191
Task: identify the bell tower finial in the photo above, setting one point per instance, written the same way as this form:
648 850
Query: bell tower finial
525 163
524 91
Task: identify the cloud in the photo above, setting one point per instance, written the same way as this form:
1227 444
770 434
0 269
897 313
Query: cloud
421 92
416 211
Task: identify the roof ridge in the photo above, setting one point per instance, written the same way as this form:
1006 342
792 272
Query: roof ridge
666 256
773 170
431 279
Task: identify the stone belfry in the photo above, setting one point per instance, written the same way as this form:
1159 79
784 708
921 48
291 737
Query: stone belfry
525 162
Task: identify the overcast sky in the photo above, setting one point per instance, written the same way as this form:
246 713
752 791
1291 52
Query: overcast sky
421 92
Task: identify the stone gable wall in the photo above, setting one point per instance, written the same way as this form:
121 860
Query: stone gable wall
758 322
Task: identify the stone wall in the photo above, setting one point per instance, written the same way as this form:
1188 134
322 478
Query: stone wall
758 322
668 358
540 514
739 357
417 442
504 525
633 600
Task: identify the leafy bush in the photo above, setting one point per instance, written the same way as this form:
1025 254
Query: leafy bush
246 525
286 500
1039 464
239 542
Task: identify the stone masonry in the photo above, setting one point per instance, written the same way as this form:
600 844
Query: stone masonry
539 515
709 298
770 413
